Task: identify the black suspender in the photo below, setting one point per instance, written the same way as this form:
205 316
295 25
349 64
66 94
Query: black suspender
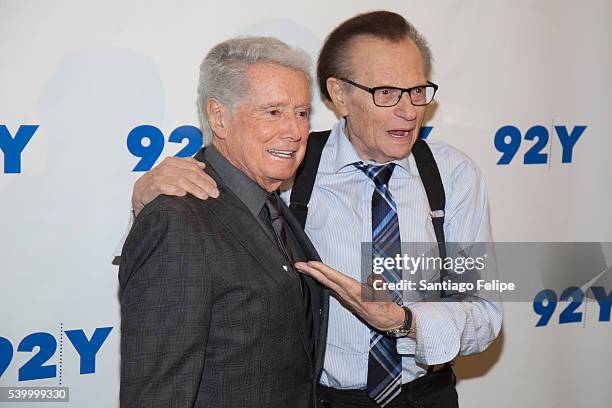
430 177
426 164
306 175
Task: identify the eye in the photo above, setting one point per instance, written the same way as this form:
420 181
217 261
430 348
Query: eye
303 114
274 112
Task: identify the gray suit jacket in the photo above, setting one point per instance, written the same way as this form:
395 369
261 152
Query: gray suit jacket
209 316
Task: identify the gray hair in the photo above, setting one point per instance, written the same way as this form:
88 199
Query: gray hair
223 71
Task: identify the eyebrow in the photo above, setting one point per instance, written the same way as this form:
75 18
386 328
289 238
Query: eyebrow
399 87
272 105
281 105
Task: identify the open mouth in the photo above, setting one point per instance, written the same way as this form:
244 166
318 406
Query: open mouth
400 133
283 154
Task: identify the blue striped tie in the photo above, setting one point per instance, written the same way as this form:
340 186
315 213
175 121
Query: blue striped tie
384 363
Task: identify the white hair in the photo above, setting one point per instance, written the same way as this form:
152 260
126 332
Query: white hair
223 71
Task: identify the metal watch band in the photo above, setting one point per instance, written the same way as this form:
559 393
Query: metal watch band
404 330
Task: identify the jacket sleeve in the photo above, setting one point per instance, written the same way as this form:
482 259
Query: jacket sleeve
166 302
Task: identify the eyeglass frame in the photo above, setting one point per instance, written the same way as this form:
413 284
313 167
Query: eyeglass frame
404 90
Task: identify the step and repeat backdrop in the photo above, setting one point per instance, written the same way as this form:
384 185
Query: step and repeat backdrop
92 94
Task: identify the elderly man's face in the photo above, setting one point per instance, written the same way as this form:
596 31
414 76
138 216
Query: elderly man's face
268 131
383 134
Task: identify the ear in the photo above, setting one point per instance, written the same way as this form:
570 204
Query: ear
218 118
338 95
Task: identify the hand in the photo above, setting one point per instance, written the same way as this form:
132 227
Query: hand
382 314
173 176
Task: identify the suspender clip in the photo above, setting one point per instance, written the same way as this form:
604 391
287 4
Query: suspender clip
437 214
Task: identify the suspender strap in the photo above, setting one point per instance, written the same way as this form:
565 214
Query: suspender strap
306 175
430 176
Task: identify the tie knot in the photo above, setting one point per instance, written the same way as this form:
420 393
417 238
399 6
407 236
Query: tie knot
380 174
273 206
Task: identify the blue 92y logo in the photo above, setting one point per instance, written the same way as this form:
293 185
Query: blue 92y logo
147 143
36 368
545 303
508 140
13 146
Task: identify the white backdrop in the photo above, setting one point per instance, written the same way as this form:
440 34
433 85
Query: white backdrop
89 72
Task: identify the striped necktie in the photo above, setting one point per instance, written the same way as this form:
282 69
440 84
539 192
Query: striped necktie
384 363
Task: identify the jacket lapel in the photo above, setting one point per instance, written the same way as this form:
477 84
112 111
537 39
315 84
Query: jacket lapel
320 298
247 230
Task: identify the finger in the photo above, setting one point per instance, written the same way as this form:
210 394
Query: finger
187 185
198 163
330 273
206 183
312 272
173 165
191 169
349 284
317 275
187 163
349 290
171 190
206 186
173 175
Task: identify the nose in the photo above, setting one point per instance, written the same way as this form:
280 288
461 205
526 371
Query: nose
293 129
405 109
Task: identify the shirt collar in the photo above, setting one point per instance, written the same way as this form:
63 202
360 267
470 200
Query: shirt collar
247 190
346 155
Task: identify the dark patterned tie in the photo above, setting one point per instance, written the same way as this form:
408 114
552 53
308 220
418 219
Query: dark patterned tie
287 247
384 363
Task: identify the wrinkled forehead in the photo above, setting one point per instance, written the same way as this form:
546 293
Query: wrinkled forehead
273 84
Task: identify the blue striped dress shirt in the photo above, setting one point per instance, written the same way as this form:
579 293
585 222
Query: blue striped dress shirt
339 219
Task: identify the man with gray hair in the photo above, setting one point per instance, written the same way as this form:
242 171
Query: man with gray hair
213 313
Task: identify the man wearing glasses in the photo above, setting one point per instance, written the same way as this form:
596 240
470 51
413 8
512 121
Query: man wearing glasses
374 68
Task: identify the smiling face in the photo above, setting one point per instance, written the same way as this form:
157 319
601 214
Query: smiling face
381 134
266 135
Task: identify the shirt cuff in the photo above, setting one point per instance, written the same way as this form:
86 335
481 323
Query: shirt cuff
119 247
406 346
438 331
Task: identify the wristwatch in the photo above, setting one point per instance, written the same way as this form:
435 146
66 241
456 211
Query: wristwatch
404 329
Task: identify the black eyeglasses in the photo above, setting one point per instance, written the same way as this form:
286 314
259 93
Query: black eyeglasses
387 96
